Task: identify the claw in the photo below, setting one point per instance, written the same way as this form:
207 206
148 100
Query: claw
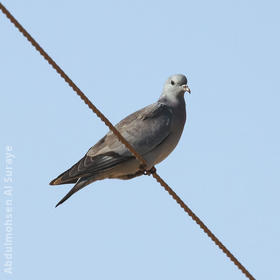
149 172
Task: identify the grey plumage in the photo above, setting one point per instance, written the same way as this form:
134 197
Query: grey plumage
153 131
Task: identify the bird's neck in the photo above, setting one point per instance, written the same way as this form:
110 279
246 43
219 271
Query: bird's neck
173 100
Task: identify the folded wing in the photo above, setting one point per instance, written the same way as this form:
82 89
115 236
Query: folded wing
144 130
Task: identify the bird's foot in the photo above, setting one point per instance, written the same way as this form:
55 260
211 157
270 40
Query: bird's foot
147 172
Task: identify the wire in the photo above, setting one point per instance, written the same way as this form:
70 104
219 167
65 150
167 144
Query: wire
123 140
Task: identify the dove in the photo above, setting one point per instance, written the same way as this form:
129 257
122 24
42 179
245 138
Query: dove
153 132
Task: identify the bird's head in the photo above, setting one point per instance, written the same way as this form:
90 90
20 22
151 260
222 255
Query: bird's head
175 87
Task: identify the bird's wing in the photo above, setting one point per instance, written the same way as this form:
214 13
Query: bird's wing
144 130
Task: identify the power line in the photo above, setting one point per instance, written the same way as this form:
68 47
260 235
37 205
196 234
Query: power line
143 163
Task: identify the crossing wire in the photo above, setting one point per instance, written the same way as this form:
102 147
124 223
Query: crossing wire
143 164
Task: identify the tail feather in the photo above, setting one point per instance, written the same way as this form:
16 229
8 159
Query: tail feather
81 183
88 170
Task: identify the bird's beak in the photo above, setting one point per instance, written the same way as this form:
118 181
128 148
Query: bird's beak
186 88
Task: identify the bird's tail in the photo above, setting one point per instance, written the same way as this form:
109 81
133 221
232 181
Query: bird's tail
81 183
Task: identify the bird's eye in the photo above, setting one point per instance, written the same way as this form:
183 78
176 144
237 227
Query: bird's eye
172 83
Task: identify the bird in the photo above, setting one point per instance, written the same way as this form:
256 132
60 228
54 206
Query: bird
153 131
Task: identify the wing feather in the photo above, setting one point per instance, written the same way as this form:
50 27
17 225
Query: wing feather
89 166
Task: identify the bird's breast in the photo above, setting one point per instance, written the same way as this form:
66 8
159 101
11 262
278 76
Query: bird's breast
171 141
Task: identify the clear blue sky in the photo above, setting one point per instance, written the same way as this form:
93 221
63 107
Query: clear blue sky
226 166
